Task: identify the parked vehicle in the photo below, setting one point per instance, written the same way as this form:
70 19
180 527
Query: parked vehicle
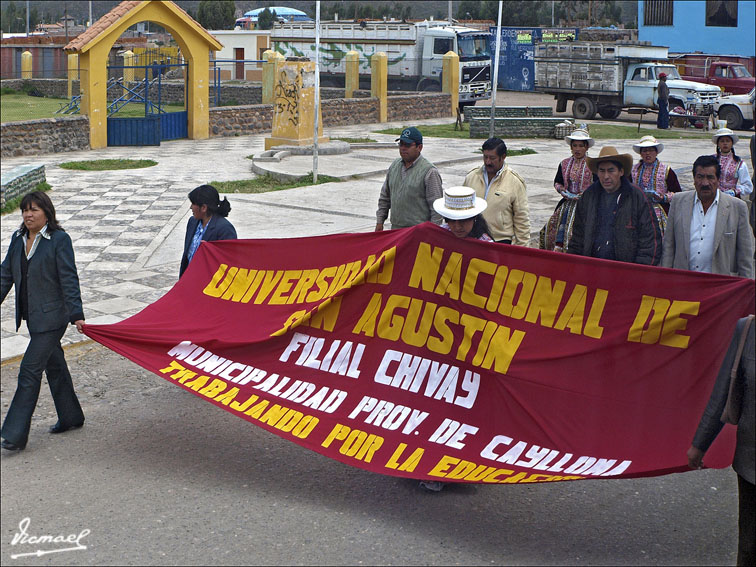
608 77
730 77
737 110
415 53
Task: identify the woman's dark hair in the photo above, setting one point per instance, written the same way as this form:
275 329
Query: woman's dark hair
208 195
479 228
44 202
732 151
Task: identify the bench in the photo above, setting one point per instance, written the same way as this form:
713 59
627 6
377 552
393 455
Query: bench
19 181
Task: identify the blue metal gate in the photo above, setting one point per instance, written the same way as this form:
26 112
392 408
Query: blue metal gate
158 123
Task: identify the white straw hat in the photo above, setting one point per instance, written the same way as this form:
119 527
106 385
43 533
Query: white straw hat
648 142
580 135
724 132
459 203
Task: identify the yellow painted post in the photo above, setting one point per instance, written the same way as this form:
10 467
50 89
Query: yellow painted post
379 83
273 59
73 72
451 79
294 105
352 79
26 65
128 74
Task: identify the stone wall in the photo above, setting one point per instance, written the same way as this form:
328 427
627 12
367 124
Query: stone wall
241 120
19 181
418 106
515 127
44 136
507 112
346 111
54 88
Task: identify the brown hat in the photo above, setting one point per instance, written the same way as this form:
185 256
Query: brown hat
609 153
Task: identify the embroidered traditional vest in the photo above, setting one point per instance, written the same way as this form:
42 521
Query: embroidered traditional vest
728 180
651 178
577 176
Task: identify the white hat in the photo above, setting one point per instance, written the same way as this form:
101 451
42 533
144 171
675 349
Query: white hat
724 132
580 135
648 142
459 203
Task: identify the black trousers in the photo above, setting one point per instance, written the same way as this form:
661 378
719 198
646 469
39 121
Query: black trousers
746 522
44 354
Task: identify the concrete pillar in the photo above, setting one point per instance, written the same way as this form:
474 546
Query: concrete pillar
73 72
128 74
379 83
451 79
26 65
294 105
273 59
352 78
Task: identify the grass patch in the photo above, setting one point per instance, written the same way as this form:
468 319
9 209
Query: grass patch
266 183
13 204
520 152
17 106
357 140
107 164
434 131
610 131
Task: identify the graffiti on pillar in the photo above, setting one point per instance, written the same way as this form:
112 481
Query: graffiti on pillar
287 94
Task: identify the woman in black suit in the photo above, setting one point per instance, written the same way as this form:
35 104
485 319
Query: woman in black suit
208 222
40 264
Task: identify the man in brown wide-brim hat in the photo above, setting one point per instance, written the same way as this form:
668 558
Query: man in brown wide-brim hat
613 218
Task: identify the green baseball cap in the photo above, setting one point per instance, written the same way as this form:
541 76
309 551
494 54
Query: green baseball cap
410 135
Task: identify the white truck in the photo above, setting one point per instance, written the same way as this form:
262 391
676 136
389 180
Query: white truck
415 53
737 110
608 78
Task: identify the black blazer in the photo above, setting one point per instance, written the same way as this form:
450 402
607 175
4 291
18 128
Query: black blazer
54 297
218 228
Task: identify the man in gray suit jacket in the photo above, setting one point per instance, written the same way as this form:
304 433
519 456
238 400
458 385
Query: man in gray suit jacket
707 230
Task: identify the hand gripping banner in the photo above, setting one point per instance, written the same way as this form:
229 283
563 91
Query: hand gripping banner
414 353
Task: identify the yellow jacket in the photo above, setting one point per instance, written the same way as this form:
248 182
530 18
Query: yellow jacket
507 212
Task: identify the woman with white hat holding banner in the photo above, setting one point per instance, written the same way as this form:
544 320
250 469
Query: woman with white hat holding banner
462 213
572 178
734 179
657 180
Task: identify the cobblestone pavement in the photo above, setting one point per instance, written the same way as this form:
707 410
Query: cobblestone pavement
128 225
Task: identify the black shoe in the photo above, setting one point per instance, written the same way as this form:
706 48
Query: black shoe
10 446
58 428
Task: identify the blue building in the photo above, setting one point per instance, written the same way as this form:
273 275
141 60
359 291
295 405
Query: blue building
721 27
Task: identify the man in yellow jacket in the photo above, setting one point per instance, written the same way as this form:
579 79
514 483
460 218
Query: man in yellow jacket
505 193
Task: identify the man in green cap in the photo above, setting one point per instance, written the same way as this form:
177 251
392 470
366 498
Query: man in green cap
412 185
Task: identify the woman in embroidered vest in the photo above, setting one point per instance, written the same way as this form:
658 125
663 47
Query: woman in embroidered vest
735 179
208 222
657 180
572 178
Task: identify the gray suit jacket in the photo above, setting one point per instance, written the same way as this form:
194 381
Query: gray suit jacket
710 425
733 240
54 298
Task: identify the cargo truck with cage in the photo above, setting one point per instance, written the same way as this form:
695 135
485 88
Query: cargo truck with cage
611 77
415 53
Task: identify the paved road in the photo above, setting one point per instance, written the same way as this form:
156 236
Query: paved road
160 477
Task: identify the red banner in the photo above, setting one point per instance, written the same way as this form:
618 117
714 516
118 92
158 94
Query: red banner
418 354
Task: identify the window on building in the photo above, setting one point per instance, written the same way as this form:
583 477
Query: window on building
657 12
722 13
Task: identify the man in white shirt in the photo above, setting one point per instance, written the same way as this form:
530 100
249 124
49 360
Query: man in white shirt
707 230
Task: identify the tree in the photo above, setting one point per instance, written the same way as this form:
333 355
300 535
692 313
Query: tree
216 14
266 19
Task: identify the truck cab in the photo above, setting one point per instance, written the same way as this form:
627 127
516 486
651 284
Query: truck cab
641 89
474 59
730 77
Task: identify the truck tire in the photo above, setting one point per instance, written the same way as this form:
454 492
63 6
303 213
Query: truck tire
583 108
609 112
733 117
